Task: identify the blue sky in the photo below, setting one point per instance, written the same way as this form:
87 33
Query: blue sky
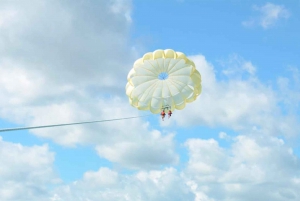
66 62
216 27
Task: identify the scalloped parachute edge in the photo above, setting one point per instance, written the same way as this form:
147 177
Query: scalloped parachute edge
195 77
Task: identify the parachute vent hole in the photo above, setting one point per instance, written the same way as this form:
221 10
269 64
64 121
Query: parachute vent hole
163 76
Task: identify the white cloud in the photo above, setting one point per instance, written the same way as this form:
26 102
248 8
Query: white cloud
6 16
256 163
25 172
77 46
289 91
68 67
254 167
56 59
237 67
150 152
121 6
262 165
205 157
223 135
241 102
144 185
65 62
269 15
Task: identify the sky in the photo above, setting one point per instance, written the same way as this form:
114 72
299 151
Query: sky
67 61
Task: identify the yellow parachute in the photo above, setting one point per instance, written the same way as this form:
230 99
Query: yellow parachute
163 78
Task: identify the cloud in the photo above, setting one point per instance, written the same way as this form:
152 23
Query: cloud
254 167
50 58
148 153
25 172
260 164
223 135
6 16
77 47
65 62
68 62
239 101
119 6
237 67
289 90
106 184
269 15
263 165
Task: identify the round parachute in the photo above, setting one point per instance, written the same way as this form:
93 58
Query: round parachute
163 78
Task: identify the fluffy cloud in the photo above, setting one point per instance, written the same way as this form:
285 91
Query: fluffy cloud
25 172
106 184
256 167
76 49
71 67
55 59
269 15
154 150
289 90
239 101
237 67
262 165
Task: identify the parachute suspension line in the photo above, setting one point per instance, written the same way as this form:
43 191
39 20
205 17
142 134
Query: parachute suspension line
69 124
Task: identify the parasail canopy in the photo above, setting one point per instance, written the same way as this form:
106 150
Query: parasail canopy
163 78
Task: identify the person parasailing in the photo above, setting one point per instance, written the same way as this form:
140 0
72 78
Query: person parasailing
169 114
163 114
